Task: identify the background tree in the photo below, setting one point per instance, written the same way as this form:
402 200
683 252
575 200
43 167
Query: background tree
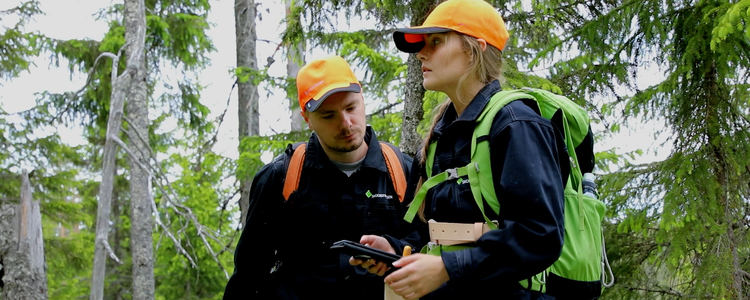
26 143
16 45
141 198
23 273
295 59
678 227
245 12
175 39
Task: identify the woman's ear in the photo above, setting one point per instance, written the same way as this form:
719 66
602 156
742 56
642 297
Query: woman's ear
482 44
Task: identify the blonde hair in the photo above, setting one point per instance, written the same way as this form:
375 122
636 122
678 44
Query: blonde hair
486 65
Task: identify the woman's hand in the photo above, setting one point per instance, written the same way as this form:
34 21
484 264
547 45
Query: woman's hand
419 275
373 266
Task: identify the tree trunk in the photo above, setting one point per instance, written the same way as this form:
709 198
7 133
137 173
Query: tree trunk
22 248
120 85
123 285
247 92
295 58
141 222
411 141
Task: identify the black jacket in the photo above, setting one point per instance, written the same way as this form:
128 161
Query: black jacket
284 253
529 169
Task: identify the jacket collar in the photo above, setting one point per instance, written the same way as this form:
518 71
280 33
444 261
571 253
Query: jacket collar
472 111
316 157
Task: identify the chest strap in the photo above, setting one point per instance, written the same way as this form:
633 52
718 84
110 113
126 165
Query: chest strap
445 233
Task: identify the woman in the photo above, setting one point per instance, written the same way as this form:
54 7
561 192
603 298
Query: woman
460 46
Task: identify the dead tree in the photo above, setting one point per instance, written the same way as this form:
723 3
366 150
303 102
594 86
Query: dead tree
22 261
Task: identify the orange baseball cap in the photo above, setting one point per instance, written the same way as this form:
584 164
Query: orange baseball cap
476 18
323 77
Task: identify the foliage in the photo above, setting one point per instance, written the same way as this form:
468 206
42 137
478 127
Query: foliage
16 45
676 228
679 226
197 190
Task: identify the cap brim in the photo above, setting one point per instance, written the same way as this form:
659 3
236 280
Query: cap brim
314 104
400 37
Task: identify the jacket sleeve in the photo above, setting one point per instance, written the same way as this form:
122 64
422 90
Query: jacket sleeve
528 181
254 254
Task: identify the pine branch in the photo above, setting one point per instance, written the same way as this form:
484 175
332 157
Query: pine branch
670 291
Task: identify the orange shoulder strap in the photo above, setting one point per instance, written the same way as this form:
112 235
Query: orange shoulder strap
294 171
395 169
291 183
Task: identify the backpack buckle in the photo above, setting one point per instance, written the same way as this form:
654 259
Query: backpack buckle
431 245
452 174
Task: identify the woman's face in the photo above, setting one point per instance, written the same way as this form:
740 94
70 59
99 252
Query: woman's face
443 62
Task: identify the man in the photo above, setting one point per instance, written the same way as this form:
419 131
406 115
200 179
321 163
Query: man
344 191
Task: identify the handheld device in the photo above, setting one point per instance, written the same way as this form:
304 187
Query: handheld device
363 252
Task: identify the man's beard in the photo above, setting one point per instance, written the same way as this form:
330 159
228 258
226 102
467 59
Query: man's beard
348 147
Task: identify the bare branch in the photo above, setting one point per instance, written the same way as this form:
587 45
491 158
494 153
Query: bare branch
210 144
387 107
111 253
13 200
185 212
130 153
90 76
177 244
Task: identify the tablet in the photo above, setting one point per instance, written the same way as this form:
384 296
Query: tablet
363 252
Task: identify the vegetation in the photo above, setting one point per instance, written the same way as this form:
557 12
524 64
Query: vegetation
675 228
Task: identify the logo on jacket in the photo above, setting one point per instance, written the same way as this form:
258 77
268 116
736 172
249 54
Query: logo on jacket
371 195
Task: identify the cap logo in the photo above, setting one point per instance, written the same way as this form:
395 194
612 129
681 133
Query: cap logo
309 90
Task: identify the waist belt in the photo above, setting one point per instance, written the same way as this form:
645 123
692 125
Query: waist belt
444 233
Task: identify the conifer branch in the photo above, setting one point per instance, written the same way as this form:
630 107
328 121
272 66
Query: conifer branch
670 291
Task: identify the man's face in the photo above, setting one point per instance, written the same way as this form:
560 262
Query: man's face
339 123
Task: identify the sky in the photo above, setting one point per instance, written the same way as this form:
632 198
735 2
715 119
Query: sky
19 93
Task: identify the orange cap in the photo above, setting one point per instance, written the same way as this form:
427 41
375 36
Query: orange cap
323 77
476 18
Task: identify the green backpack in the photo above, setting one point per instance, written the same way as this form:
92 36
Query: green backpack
579 272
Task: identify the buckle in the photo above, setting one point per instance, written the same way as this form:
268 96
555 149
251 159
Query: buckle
452 174
431 245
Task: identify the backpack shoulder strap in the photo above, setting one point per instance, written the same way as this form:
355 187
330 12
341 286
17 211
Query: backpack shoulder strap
293 172
481 184
497 102
394 169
